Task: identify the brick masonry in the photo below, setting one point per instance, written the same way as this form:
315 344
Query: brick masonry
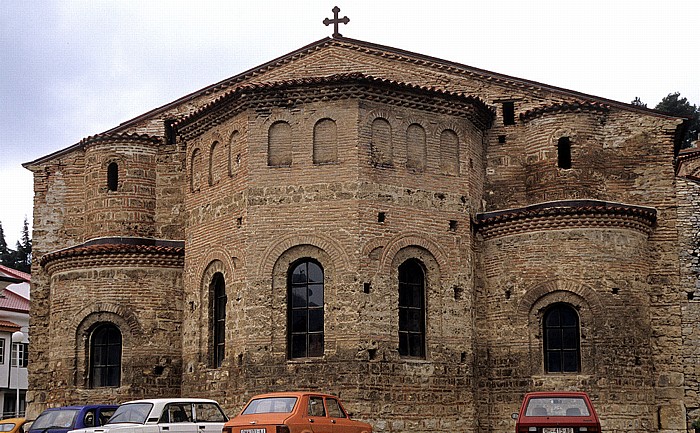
362 157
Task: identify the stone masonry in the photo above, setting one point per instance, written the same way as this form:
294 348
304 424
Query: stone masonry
513 197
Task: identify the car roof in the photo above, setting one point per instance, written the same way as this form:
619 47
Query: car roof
172 400
12 420
556 394
297 394
83 406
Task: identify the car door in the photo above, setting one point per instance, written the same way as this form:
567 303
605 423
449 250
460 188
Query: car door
316 411
209 417
339 419
177 418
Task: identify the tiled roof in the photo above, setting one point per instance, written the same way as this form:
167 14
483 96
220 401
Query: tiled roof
12 301
6 325
14 273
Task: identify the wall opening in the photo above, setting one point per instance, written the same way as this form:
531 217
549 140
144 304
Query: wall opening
112 176
508 113
564 153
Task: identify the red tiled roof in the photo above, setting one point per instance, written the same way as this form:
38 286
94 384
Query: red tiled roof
14 273
14 302
6 325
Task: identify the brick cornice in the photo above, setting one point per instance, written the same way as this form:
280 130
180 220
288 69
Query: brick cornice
335 87
567 214
567 107
116 252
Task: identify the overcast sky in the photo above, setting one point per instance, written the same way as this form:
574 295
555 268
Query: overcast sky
69 69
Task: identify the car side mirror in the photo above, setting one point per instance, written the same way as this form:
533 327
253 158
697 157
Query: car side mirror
514 415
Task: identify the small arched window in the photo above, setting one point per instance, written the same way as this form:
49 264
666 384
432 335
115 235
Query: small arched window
561 339
411 309
564 153
105 356
218 309
305 309
112 176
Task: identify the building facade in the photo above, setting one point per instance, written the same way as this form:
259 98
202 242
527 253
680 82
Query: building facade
14 340
425 239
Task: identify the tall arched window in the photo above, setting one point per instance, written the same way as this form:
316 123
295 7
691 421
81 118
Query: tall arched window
105 356
305 309
411 309
561 339
218 314
112 176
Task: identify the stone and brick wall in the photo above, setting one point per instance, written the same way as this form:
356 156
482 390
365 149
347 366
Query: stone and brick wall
361 157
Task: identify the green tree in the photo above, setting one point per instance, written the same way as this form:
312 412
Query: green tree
21 258
638 102
675 105
5 253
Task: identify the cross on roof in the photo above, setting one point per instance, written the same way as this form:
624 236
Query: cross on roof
335 21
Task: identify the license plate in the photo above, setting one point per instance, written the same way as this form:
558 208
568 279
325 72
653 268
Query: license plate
558 430
253 430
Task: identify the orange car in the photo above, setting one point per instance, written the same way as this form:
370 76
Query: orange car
294 412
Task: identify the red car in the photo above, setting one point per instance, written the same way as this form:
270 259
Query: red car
294 412
556 412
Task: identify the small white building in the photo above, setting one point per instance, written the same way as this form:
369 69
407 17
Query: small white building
14 321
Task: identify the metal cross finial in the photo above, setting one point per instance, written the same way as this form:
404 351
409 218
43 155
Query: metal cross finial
335 21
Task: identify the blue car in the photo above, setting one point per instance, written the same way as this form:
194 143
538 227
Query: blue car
63 419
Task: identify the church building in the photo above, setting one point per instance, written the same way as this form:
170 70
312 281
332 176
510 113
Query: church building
427 240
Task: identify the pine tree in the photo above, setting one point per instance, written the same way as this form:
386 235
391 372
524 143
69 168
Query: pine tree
5 255
23 254
675 105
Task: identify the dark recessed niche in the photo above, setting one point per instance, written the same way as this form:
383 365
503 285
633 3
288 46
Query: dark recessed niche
381 217
458 292
239 221
615 290
691 296
463 357
507 294
366 287
501 139
372 354
158 370
453 225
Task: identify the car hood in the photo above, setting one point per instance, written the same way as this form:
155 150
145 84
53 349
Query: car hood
106 428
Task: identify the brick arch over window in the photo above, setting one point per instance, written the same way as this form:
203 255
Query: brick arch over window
416 148
538 300
325 142
449 152
279 145
381 144
234 152
196 170
280 305
406 240
84 333
216 162
214 285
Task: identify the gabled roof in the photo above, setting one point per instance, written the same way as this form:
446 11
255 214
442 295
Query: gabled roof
14 273
374 49
13 302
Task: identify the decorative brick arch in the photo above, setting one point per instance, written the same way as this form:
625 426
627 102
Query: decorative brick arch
335 252
584 300
535 293
87 320
404 241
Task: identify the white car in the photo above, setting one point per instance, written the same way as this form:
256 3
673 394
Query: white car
164 415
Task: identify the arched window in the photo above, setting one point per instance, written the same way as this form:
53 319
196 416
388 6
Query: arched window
325 149
218 314
112 176
105 356
279 145
449 152
305 309
381 145
415 147
564 153
411 309
561 339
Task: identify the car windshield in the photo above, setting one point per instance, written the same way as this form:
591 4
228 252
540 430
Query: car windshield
61 418
270 405
132 413
557 406
8 426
